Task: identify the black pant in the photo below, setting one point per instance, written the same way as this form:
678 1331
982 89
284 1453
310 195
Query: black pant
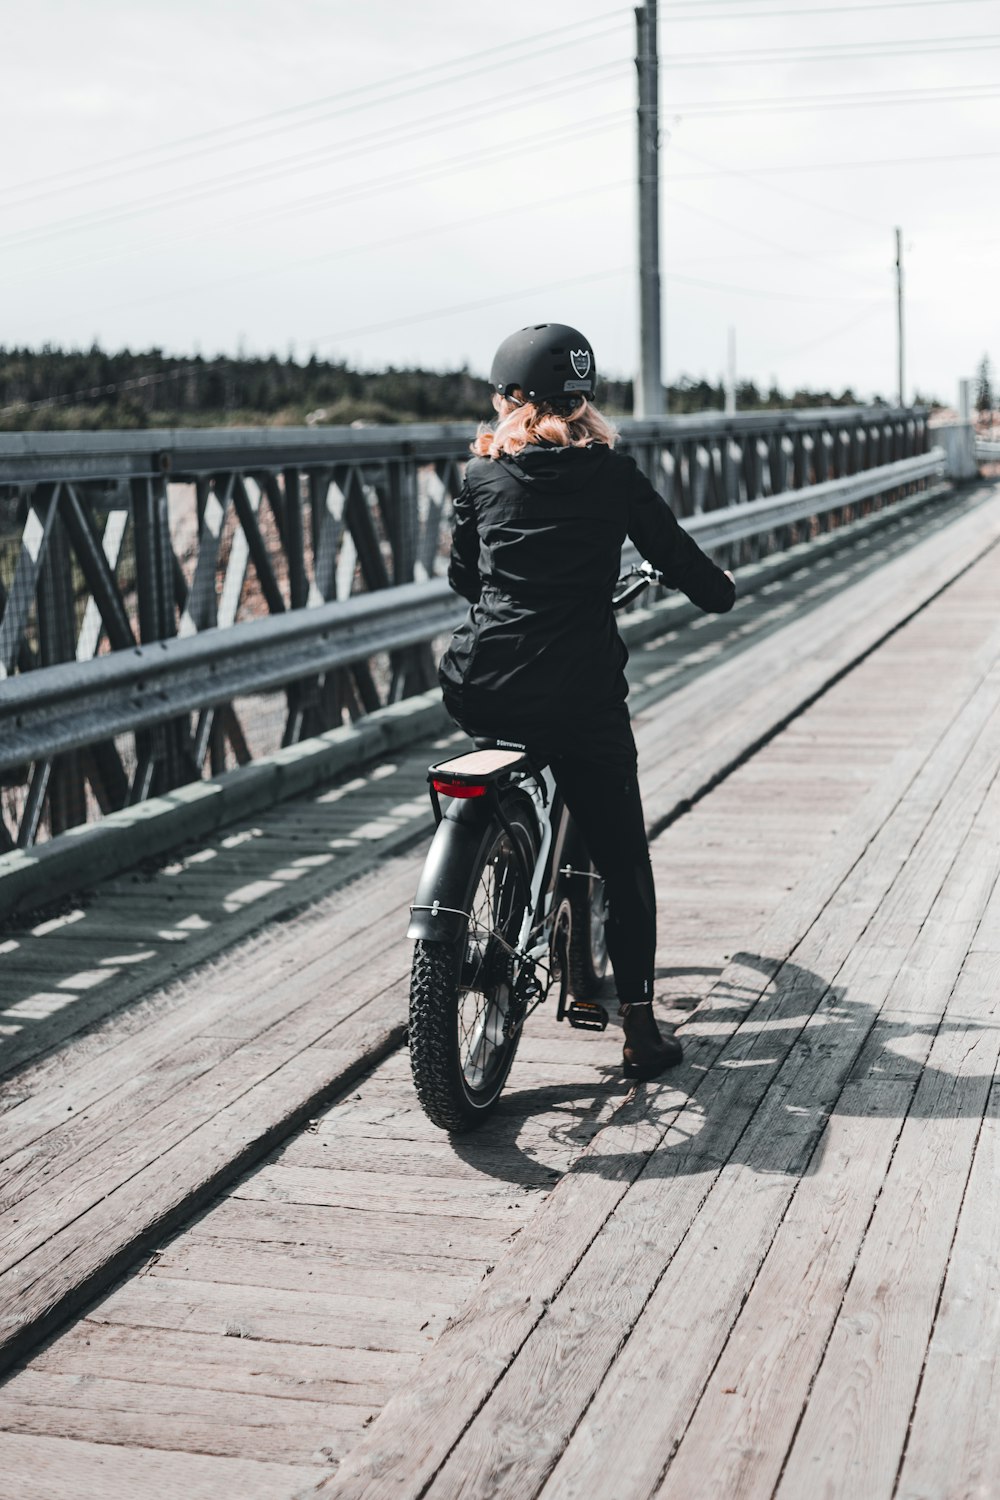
595 769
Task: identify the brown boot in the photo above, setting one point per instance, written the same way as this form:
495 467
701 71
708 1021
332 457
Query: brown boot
646 1053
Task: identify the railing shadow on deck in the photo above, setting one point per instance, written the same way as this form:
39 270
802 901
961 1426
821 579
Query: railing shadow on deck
787 1042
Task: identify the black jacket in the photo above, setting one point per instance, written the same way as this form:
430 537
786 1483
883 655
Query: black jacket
536 549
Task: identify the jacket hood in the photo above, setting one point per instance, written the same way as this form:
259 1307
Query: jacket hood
546 469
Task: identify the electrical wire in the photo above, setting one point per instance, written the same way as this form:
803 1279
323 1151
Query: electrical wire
467 222
99 173
753 291
349 150
375 187
751 234
841 52
831 166
92 392
140 158
387 135
464 307
144 381
834 333
532 206
381 139
971 93
818 10
754 176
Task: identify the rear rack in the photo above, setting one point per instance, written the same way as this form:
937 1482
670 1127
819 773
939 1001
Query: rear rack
481 765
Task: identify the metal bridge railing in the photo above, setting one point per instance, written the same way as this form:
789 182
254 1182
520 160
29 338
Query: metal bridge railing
148 578
48 713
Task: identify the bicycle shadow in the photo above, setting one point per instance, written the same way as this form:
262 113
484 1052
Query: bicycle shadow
772 1053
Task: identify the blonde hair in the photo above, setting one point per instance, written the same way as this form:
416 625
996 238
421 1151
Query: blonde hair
522 423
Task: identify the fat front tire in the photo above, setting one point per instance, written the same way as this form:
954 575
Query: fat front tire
464 1021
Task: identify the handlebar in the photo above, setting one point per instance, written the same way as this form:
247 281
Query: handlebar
636 581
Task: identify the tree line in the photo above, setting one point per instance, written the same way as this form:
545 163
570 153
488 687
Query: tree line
46 389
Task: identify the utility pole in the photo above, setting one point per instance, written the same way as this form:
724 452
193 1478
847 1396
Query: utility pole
731 375
899 312
649 398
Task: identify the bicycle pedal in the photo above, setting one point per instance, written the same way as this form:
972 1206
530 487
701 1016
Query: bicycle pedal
587 1015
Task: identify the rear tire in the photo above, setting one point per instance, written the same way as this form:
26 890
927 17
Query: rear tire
464 1022
588 948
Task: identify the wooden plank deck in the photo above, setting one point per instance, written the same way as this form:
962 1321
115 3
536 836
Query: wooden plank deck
816 910
737 1289
109 1134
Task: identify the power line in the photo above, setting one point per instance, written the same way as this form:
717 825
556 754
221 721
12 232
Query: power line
755 175
835 333
376 140
464 307
380 139
971 93
753 291
140 158
385 93
818 10
521 207
179 371
841 52
823 166
137 382
779 249
374 187
368 141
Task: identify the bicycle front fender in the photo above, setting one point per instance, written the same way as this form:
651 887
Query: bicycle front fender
445 889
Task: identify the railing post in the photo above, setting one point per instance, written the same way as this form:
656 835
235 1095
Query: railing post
65 787
298 582
413 669
162 761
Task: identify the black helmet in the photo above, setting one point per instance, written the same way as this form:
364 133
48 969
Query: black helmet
547 362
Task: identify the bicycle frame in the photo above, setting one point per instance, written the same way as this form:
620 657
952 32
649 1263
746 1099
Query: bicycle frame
439 914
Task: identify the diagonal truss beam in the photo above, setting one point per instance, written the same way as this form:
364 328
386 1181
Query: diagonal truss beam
42 513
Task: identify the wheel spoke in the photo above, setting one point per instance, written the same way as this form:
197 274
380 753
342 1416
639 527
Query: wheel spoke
484 1002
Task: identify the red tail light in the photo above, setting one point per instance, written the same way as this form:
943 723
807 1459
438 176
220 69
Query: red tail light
449 788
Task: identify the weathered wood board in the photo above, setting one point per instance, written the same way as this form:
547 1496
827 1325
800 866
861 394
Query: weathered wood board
806 876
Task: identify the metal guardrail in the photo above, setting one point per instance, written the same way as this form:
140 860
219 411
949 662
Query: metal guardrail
987 450
719 527
62 708
66 707
827 436
124 546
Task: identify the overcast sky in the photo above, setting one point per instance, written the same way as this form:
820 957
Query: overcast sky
406 184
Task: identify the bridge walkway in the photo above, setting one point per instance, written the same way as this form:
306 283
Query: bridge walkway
249 1354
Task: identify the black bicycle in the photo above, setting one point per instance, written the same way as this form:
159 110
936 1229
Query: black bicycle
508 908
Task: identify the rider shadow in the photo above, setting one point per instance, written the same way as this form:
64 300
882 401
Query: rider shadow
762 1075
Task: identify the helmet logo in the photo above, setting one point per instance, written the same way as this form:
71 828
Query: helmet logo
580 360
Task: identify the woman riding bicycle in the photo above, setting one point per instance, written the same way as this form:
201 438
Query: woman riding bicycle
539 527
